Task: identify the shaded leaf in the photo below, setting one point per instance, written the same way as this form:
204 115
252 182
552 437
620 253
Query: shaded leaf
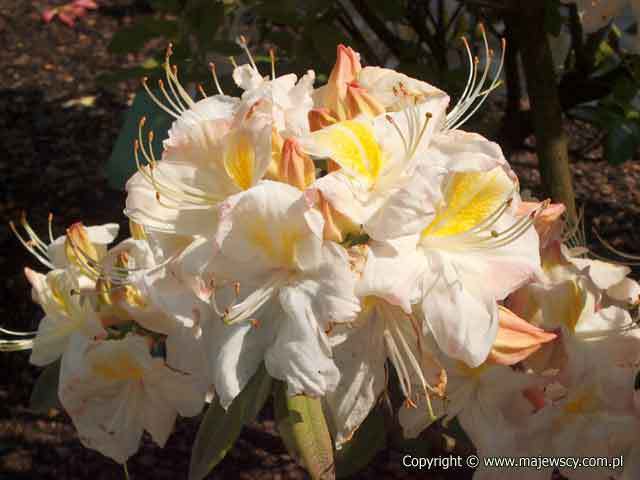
44 395
121 164
220 428
623 139
304 430
368 440
133 38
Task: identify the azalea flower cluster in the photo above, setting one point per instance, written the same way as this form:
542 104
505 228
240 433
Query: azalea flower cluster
334 234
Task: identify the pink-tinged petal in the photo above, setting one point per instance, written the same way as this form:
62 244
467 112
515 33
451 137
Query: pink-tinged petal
320 118
344 71
49 14
295 167
516 339
361 102
88 4
547 222
67 17
536 397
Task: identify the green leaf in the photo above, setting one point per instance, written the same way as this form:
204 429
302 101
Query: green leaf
623 139
204 18
304 430
368 440
44 395
220 428
133 38
121 164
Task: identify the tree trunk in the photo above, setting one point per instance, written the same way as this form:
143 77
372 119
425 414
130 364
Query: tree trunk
551 142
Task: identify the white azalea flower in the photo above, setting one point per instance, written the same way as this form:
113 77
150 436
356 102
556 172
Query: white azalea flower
115 389
77 251
289 287
383 331
473 253
217 147
66 313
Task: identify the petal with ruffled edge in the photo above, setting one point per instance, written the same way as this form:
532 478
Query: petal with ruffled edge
361 359
301 355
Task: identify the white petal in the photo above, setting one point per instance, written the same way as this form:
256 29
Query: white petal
300 354
361 360
464 326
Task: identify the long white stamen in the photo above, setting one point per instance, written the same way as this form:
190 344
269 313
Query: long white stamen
242 41
17 334
156 101
212 67
15 345
177 106
475 93
250 305
29 246
272 56
398 363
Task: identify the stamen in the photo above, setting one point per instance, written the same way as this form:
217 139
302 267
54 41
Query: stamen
17 334
474 94
250 305
398 363
390 119
272 56
15 345
178 107
201 90
27 245
242 41
50 221
156 101
212 67
233 62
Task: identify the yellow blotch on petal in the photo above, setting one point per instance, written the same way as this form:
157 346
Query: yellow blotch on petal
281 250
117 366
470 198
240 160
352 145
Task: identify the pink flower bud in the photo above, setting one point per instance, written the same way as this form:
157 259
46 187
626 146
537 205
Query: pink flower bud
547 222
516 339
296 168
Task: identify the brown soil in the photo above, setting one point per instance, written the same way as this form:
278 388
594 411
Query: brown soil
52 154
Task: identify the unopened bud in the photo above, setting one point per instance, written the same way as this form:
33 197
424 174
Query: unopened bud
320 118
516 339
547 222
360 102
296 167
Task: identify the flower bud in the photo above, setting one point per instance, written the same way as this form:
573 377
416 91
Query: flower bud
320 118
547 222
359 102
344 71
295 168
516 339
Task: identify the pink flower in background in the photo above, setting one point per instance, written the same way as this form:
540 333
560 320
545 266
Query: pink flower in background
69 12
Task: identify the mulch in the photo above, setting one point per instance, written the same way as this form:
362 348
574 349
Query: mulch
52 155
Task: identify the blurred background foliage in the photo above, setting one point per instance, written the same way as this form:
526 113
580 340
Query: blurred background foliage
597 79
